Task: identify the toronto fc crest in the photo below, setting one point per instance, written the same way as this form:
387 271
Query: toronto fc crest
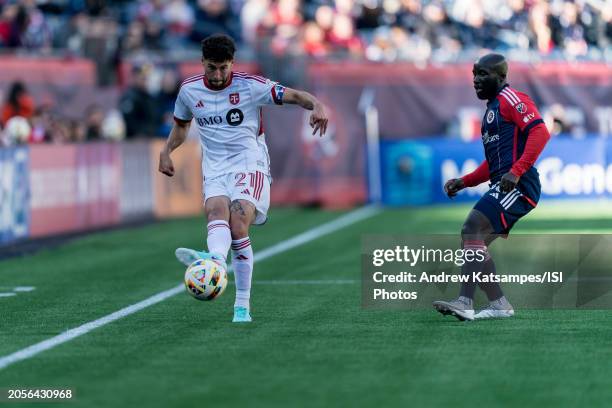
234 98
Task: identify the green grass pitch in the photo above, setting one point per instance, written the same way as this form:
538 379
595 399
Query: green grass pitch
310 345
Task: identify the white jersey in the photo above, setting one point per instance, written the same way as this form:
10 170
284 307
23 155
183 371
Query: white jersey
229 121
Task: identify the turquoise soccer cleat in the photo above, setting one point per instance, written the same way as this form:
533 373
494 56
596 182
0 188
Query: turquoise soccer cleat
241 315
187 256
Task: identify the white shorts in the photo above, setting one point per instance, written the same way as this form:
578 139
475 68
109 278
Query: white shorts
253 187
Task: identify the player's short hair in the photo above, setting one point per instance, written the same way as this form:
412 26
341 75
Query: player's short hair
218 48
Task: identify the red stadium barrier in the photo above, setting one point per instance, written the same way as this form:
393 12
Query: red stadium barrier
181 194
55 71
308 169
420 102
69 86
73 188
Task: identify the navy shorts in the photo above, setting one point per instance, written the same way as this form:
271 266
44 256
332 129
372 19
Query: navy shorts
505 209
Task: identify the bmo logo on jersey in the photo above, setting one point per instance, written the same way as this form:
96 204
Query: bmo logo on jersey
209 121
234 117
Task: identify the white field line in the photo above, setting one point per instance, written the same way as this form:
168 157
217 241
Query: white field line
24 288
291 282
303 238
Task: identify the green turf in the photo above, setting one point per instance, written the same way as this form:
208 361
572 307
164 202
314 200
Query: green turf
310 345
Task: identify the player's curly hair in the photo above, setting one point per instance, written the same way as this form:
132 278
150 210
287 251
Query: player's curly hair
218 48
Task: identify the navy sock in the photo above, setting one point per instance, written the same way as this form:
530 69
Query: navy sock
492 289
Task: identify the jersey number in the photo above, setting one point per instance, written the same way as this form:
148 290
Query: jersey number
239 179
256 183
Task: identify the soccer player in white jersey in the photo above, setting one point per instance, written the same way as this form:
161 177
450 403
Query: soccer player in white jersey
226 107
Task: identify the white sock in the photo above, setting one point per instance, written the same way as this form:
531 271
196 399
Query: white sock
242 262
219 237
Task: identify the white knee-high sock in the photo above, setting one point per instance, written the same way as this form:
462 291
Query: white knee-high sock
242 262
219 237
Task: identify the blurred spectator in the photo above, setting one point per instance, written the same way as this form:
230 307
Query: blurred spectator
99 45
134 39
59 131
24 25
139 107
538 20
41 124
113 126
324 17
17 131
37 33
342 36
15 22
313 40
179 18
251 16
213 17
7 18
282 25
151 15
165 101
76 131
94 117
566 32
17 103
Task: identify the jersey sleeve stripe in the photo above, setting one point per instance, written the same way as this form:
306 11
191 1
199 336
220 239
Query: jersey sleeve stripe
512 96
251 78
509 97
511 92
503 220
245 76
530 201
192 79
259 77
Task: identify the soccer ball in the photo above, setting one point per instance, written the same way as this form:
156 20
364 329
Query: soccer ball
205 279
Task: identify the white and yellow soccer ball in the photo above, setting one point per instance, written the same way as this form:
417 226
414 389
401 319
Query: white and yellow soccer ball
205 279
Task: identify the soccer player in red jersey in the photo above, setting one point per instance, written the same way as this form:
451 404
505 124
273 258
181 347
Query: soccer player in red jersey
513 135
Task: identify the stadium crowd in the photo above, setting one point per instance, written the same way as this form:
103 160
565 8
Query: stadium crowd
420 31
140 113
374 29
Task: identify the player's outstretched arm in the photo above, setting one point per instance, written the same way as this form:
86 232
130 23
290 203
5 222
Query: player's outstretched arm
178 134
318 118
